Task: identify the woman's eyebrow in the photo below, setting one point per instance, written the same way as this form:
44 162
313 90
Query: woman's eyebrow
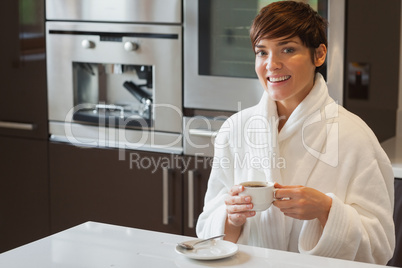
285 42
280 43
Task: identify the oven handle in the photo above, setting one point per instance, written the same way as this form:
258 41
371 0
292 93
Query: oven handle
203 132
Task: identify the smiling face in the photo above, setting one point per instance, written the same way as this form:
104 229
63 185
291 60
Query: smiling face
286 69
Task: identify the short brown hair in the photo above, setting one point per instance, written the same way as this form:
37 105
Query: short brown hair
290 19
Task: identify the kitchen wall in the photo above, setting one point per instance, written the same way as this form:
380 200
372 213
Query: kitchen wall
373 47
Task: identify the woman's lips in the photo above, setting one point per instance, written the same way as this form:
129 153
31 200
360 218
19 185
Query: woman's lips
278 79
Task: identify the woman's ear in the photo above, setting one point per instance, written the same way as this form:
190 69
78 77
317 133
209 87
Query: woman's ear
320 55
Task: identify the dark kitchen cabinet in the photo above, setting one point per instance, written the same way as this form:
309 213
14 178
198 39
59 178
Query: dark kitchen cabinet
24 196
134 189
23 102
371 89
397 258
195 183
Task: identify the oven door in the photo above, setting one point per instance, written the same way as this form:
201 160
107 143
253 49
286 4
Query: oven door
76 51
219 60
95 71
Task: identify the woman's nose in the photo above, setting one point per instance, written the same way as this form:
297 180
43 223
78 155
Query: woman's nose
273 63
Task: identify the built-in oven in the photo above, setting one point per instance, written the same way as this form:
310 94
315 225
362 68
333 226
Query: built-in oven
115 73
219 71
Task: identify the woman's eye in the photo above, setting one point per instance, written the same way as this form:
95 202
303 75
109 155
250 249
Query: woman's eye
288 50
260 53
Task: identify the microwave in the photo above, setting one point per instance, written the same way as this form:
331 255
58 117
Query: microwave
218 57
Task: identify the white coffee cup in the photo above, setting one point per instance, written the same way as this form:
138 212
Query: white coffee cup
261 193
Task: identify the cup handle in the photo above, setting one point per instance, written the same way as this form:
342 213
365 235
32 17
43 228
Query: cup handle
280 199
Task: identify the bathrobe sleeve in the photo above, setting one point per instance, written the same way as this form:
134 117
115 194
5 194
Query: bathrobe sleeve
360 225
212 220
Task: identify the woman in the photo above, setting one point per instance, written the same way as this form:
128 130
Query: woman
337 180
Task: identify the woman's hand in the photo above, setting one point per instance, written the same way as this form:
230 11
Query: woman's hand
238 209
304 204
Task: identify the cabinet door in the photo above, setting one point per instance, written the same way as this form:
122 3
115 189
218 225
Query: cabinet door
370 90
24 192
131 188
397 258
195 186
23 101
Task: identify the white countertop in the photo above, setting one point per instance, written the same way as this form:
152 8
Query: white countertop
393 148
101 245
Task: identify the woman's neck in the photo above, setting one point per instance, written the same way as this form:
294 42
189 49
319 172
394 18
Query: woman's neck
284 109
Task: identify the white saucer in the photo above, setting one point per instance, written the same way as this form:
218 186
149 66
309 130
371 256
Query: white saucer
214 250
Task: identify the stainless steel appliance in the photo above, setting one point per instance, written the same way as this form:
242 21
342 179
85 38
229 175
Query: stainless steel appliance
133 11
111 83
219 63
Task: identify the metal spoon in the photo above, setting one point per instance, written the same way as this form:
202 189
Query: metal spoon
190 244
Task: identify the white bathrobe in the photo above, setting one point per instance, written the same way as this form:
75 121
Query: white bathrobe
322 146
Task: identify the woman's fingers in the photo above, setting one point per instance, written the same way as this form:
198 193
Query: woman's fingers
235 190
238 219
236 200
238 208
303 203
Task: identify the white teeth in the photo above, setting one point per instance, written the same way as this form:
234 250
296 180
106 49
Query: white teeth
279 79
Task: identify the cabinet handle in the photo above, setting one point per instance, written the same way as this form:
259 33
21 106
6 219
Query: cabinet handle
191 192
165 196
203 133
16 125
